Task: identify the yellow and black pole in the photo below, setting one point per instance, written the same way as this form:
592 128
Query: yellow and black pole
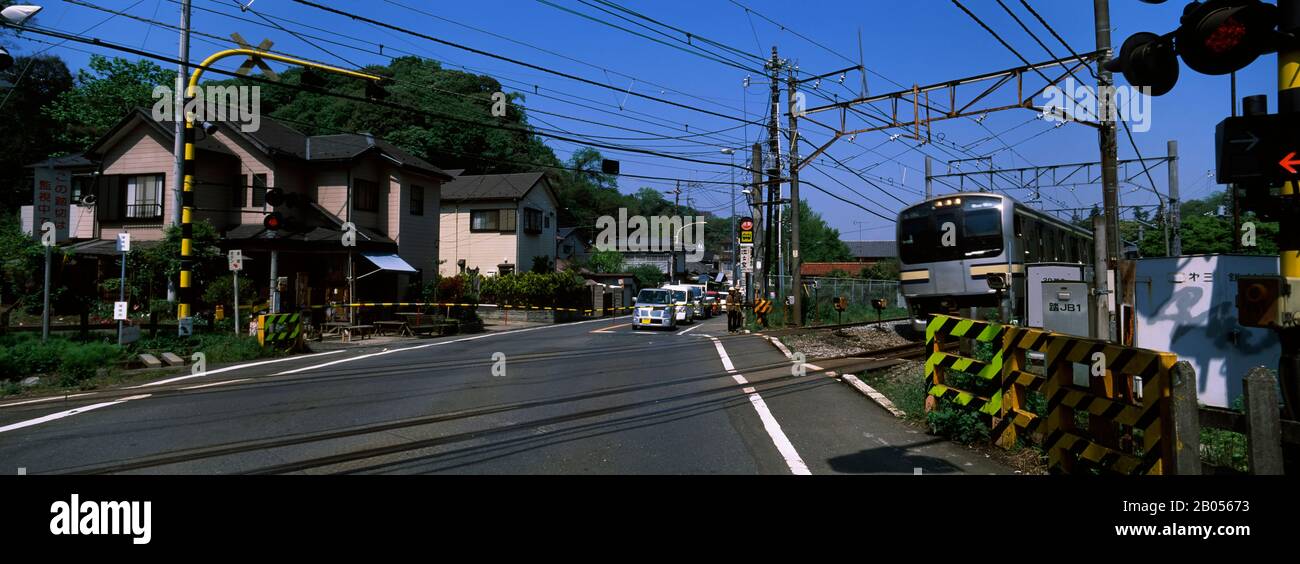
1288 101
188 167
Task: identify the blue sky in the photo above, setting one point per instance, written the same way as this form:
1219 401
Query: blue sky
904 42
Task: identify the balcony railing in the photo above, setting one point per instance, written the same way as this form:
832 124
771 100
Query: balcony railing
144 211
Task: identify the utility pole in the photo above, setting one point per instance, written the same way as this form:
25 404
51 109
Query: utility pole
1109 156
1288 241
795 278
178 144
1174 220
773 171
1101 321
672 240
735 246
756 208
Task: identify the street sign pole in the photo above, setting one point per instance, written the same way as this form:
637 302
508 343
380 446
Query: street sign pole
45 311
121 296
235 259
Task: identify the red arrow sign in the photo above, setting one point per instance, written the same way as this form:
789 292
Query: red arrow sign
1289 162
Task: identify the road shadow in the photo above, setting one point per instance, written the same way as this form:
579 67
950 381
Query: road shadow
892 460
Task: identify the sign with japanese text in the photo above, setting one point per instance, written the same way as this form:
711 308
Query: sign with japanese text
51 201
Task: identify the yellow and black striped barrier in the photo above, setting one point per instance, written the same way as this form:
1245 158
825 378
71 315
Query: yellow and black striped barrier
762 306
938 362
1116 413
279 329
1119 415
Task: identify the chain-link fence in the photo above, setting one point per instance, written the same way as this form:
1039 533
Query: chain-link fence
822 292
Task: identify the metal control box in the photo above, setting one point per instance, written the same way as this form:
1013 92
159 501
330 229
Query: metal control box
1066 308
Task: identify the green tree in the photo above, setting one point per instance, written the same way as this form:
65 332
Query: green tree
884 270
106 90
648 276
606 262
27 134
818 241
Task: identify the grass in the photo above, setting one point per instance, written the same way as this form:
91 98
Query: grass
69 363
904 387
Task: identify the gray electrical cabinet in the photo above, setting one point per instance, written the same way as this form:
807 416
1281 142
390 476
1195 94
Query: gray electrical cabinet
1066 308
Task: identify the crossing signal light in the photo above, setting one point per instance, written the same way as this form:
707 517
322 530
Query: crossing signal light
274 197
1147 60
273 221
1215 37
1224 36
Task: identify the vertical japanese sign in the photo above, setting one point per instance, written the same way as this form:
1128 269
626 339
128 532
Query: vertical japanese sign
50 202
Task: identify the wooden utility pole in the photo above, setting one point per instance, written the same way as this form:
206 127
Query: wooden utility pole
795 279
773 171
1109 157
755 197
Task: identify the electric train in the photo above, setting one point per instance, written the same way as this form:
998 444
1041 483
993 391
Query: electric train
949 245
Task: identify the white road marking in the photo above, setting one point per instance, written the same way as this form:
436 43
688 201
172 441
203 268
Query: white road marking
418 347
230 368
201 386
691 329
44 400
68 413
770 424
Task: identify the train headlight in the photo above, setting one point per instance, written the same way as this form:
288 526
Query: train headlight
997 281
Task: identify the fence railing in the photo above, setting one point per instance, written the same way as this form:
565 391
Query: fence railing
1260 422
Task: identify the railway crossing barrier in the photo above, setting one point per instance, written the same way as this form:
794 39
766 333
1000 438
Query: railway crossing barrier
1119 421
279 329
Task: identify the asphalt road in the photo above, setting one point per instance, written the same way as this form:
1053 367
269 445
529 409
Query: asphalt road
585 398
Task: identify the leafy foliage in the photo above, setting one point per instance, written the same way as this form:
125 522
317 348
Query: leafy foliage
28 135
648 276
884 270
106 90
606 262
554 289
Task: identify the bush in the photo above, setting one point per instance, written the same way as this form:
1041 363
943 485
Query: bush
553 289
81 361
958 424
25 355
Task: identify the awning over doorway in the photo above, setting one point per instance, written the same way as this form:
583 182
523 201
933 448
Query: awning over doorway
389 261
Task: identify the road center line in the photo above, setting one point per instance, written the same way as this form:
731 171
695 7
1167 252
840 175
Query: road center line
770 424
68 413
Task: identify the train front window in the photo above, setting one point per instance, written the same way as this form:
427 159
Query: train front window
978 224
982 233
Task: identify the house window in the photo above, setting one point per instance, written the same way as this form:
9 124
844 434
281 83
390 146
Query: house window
365 194
532 220
548 221
417 200
492 220
259 189
144 196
